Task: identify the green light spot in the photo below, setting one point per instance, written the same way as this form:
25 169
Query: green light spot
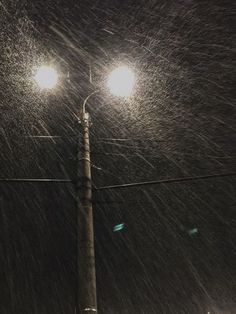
118 227
193 231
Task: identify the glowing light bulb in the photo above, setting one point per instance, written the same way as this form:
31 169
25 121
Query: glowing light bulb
121 81
46 77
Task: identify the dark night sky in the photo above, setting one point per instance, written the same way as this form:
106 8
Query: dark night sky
178 123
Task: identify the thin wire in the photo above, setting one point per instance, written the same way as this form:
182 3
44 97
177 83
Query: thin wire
176 180
35 180
48 136
102 139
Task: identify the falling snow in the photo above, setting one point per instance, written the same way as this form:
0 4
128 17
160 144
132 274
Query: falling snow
175 250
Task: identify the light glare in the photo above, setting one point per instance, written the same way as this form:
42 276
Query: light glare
121 81
46 77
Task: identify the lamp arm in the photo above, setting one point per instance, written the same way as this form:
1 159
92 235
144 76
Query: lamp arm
87 98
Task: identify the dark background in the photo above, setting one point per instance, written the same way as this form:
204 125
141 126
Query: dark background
178 123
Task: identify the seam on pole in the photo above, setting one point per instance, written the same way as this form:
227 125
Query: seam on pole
87 159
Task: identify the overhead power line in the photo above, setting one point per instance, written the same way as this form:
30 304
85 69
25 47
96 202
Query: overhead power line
35 180
118 186
176 180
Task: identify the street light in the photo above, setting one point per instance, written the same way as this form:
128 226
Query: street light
120 82
46 77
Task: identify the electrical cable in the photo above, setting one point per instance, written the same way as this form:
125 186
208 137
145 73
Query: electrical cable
34 180
109 187
175 180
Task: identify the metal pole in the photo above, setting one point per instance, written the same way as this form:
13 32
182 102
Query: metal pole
86 290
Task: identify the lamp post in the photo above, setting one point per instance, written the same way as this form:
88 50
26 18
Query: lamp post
120 83
86 289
